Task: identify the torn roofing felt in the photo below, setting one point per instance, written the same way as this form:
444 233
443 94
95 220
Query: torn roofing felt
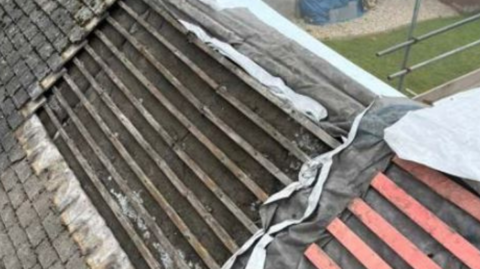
346 176
349 175
304 104
304 72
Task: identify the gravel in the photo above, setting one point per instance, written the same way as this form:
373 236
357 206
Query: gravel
387 15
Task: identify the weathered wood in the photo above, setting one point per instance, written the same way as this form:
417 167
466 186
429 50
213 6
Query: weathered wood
31 107
71 51
222 91
50 80
146 181
463 83
142 248
224 237
122 183
221 156
299 117
223 197
247 147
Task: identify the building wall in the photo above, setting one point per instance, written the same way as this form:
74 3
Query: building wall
287 8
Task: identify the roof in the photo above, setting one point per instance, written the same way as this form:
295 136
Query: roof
33 35
173 143
177 146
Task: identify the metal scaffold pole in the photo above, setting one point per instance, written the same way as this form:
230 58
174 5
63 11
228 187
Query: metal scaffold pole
411 31
405 69
428 35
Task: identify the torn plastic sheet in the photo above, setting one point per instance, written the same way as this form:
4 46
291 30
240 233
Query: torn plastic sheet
275 20
304 104
314 172
445 137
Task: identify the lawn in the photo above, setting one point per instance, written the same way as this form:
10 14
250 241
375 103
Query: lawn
362 51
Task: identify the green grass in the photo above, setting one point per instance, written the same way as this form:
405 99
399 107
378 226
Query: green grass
362 51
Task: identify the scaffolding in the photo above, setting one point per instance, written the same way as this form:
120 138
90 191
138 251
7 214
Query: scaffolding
405 69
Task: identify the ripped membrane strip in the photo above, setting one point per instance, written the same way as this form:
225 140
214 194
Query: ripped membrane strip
83 221
304 104
309 177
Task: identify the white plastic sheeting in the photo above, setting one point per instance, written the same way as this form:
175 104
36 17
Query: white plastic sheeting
275 20
304 104
445 137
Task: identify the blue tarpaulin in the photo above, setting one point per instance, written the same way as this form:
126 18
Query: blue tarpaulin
330 11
